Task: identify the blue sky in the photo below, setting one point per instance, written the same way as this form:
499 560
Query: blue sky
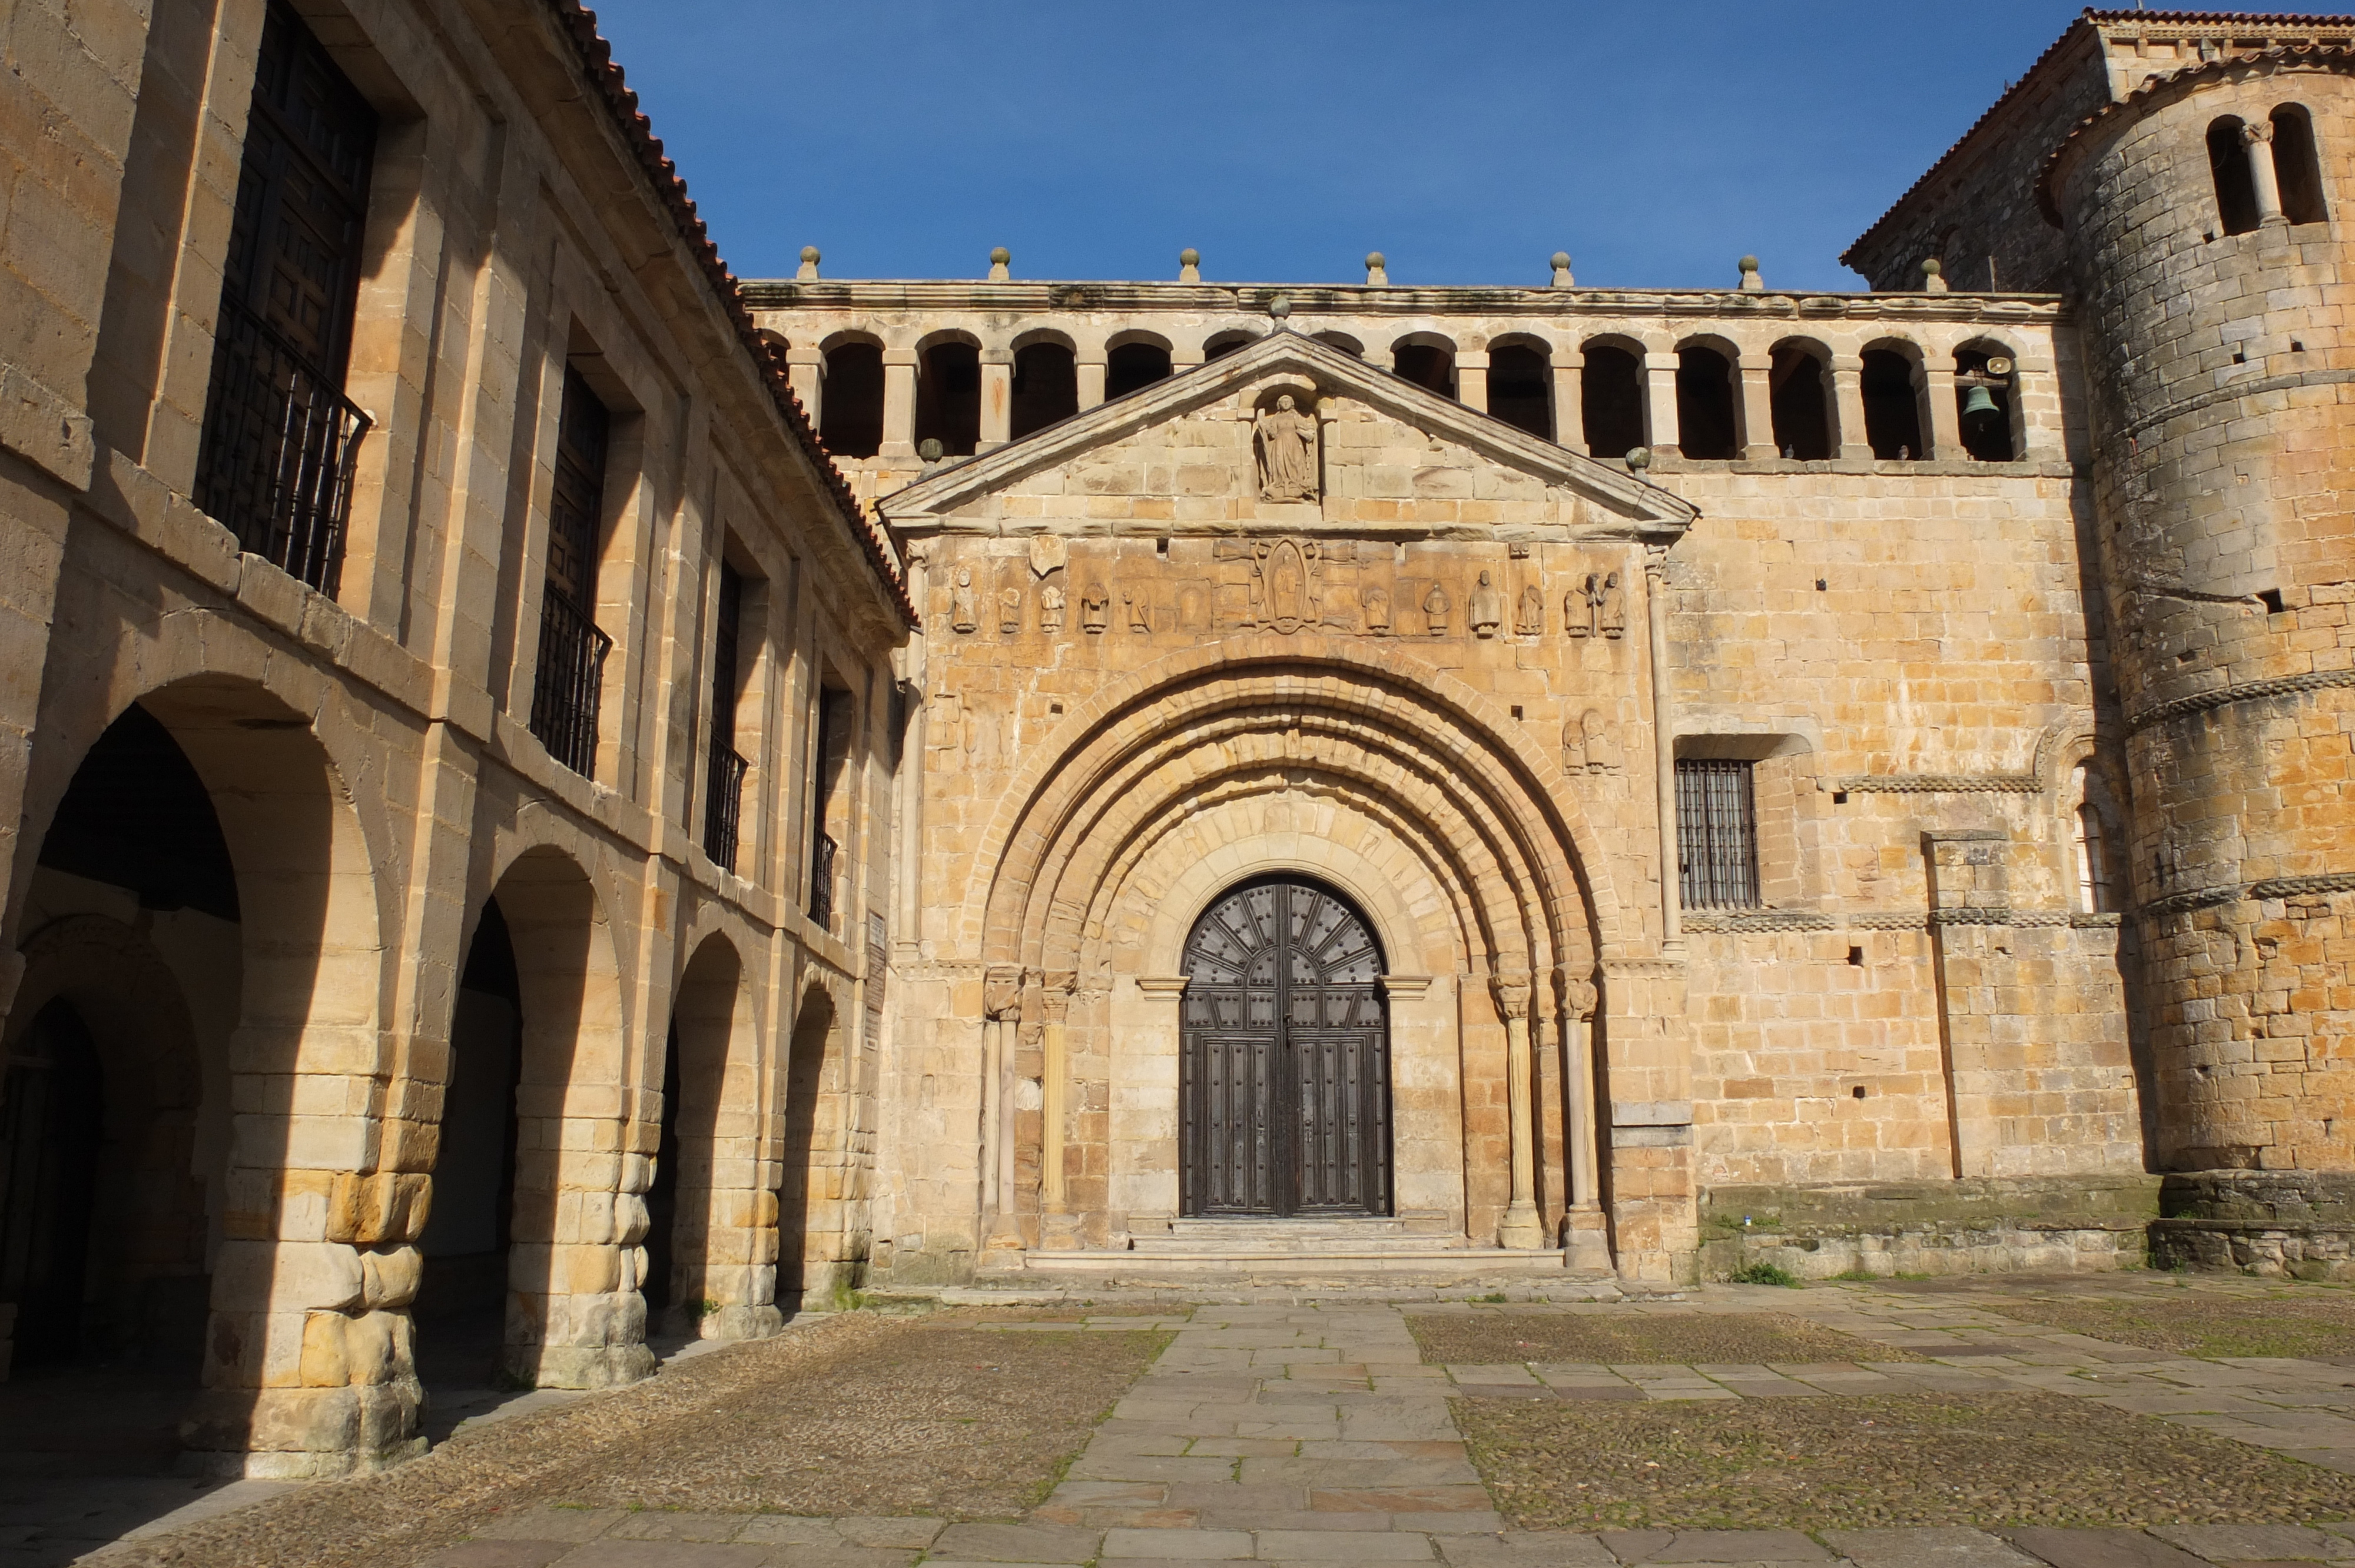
1284 139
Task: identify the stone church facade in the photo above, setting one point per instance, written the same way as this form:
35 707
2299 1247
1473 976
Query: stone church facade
557 797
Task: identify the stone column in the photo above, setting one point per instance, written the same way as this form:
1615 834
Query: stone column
908 907
1569 401
1851 438
1586 1234
1664 756
1471 380
1054 1084
1660 432
2258 138
1091 374
1001 1004
996 397
1758 410
1946 415
899 403
1520 1228
805 373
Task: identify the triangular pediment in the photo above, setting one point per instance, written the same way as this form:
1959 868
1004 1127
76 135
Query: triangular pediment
1187 453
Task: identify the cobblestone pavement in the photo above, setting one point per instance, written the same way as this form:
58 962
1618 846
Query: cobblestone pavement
1315 1435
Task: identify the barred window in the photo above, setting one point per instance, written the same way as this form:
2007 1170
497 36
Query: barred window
1717 834
572 649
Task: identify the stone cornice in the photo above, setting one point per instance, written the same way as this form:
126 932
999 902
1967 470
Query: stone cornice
1347 300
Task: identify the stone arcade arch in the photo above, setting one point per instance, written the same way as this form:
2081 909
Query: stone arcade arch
715 1276
1305 756
306 1242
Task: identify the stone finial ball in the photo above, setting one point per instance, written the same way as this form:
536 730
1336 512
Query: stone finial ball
999 256
1750 263
1562 261
809 254
1189 257
1374 259
1639 458
1933 266
1280 306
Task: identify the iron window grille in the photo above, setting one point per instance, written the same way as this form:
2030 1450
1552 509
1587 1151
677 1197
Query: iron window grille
724 802
1717 834
821 904
280 444
570 680
723 810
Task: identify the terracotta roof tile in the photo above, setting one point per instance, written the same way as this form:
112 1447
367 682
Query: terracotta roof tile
580 24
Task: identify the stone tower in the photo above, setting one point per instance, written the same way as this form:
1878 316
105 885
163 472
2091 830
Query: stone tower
2211 285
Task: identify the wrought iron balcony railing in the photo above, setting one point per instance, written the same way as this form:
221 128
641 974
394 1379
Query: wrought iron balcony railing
722 811
821 904
280 442
571 678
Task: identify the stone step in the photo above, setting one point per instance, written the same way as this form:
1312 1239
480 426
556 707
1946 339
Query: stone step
1423 1265
1292 1238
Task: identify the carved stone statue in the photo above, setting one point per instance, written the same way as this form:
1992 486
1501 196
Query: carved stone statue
1578 610
1376 601
1434 610
1051 609
1287 452
1487 607
1095 607
1611 608
1140 611
966 615
1009 610
1531 621
1573 747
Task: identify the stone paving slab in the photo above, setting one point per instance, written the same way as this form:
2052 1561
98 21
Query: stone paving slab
1924 1549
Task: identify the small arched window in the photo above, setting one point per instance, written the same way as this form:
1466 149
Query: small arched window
1800 401
1223 344
1611 401
1046 387
2236 188
1893 406
1520 390
1133 366
2297 165
948 398
852 425
1705 423
2095 893
1430 365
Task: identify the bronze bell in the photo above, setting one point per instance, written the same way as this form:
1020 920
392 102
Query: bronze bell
1978 403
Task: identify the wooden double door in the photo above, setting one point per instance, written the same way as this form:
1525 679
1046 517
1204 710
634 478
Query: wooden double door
1283 1081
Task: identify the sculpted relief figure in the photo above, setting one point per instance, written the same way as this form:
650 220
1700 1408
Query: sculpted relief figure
1051 609
1140 611
1287 452
1377 601
1611 607
1095 607
1601 747
966 614
1578 609
1009 610
1487 607
1531 621
1434 610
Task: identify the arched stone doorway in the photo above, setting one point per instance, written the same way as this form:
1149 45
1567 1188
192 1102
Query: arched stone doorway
1284 1078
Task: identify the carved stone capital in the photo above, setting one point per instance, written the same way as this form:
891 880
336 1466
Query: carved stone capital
1580 996
1001 990
1512 994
